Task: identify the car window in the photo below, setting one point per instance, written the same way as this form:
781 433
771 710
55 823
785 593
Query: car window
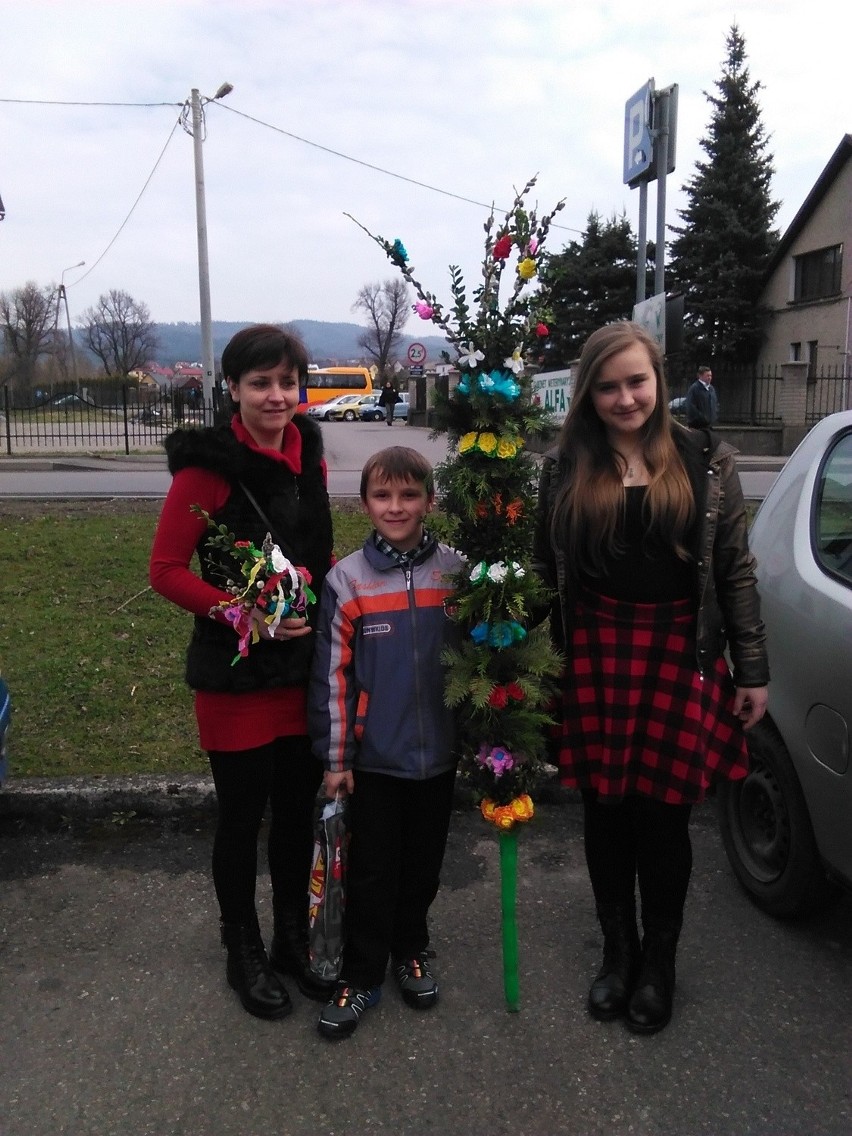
833 518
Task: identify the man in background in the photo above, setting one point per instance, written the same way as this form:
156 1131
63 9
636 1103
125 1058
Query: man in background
702 402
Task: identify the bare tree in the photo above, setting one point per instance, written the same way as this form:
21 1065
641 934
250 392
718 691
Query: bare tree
386 307
119 331
27 318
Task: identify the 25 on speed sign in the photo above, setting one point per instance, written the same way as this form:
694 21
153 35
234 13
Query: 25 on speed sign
416 353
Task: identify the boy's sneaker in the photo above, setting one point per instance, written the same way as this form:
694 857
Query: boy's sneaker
419 988
341 1016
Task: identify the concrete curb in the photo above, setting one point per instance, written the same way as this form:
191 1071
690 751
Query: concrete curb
97 798
50 802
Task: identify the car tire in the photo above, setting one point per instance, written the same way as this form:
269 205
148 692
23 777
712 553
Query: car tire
348 415
767 832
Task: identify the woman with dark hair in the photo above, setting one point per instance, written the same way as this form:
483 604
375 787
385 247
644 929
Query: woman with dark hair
641 530
261 472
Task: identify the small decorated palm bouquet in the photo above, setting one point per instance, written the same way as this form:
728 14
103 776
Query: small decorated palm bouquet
501 678
267 587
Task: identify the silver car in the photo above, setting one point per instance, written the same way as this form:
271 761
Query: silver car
787 828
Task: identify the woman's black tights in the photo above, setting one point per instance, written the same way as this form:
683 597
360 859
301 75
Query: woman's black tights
287 775
638 837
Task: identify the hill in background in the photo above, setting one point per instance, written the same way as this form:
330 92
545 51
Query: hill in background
328 344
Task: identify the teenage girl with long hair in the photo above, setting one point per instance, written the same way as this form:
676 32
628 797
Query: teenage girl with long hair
641 531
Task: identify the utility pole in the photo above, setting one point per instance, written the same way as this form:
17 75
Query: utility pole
62 296
207 359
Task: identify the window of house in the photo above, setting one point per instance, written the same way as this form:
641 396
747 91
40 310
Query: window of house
818 273
795 352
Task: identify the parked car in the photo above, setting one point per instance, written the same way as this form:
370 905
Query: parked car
678 405
786 827
325 410
70 402
376 413
351 411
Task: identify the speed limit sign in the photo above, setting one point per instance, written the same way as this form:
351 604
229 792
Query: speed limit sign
416 353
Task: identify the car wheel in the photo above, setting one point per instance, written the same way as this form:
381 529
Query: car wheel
348 415
767 833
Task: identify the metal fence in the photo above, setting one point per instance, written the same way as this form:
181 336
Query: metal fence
136 421
749 396
133 421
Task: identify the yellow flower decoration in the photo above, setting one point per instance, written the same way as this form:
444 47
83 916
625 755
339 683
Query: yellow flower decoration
518 811
487 442
507 448
467 442
527 268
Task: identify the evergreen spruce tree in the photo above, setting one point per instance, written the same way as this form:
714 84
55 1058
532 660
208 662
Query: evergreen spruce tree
720 254
590 283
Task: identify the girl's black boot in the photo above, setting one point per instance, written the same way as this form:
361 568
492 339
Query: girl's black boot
611 989
650 1007
250 974
289 954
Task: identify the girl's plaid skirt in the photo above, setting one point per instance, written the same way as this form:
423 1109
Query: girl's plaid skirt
637 717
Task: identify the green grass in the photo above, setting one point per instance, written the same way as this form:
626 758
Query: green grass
94 658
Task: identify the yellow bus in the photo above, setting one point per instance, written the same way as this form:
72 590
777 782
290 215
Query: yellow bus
329 382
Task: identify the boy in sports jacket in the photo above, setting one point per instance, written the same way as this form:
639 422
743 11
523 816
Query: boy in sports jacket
379 725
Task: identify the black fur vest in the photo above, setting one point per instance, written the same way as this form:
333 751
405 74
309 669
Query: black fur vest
299 516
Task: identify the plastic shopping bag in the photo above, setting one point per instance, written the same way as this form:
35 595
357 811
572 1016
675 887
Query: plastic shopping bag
326 894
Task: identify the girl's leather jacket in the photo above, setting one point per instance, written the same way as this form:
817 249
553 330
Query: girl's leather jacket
728 604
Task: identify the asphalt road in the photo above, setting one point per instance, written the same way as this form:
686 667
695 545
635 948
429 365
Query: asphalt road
78 474
117 1021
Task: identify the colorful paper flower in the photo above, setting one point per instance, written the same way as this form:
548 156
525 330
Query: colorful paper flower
498 572
273 587
499 697
479 633
518 811
399 251
470 356
527 268
514 510
424 310
514 363
487 442
541 330
508 447
467 441
479 572
503 247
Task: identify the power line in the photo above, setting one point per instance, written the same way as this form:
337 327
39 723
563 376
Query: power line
63 102
371 166
296 138
136 202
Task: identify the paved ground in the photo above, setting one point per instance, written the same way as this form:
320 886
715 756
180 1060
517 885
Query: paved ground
116 1019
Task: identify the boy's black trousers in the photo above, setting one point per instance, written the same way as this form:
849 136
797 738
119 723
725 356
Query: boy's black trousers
398 836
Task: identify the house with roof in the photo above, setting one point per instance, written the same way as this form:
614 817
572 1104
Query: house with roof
808 288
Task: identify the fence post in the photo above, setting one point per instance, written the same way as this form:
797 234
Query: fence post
126 425
792 403
8 419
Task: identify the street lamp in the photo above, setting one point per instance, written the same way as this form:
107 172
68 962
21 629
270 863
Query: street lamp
62 296
207 360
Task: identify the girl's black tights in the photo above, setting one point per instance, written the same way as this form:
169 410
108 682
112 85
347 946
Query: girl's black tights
638 837
287 776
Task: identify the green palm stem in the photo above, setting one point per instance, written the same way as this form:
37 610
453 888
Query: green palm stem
508 903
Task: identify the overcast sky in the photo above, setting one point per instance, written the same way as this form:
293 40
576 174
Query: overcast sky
470 97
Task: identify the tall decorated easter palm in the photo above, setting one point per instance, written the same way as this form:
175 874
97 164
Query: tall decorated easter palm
500 680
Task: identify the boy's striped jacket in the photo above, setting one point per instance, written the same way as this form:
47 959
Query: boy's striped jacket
376 696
